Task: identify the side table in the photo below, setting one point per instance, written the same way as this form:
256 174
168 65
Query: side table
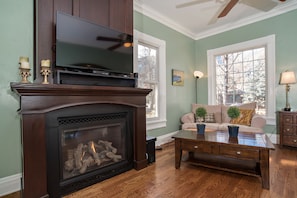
287 126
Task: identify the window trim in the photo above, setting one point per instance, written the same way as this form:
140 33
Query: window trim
269 43
161 45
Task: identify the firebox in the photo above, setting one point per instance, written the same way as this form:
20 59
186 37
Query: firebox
87 144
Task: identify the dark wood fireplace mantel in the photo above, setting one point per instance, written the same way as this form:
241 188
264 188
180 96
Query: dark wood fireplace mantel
37 99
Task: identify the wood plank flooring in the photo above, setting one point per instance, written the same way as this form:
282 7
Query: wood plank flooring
162 180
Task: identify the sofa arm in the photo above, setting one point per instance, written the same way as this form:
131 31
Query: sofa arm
258 121
188 118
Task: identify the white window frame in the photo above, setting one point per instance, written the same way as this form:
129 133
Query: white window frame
269 43
154 123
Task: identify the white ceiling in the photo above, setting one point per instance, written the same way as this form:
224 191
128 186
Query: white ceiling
193 20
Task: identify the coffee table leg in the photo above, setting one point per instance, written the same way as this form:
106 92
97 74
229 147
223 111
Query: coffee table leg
264 166
178 153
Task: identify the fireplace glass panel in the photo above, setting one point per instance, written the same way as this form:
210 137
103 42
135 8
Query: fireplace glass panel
88 148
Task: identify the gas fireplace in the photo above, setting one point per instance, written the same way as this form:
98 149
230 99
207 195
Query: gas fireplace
74 136
87 144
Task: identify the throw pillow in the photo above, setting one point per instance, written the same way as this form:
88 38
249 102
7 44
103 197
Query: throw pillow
245 117
210 118
199 119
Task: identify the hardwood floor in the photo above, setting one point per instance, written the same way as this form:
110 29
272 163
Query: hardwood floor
162 180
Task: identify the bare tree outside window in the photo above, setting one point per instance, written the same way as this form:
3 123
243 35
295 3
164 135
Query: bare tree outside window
241 78
148 73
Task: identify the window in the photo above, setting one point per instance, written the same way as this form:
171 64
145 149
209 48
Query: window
150 65
240 78
243 73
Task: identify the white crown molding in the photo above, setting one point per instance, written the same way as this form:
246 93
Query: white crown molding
170 23
259 17
162 19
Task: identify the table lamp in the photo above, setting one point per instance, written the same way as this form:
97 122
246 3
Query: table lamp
287 77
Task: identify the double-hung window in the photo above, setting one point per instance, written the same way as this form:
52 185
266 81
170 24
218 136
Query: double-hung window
243 73
149 63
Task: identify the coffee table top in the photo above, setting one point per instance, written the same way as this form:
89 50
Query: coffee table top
244 138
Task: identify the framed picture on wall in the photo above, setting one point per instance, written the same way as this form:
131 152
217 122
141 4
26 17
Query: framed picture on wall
177 78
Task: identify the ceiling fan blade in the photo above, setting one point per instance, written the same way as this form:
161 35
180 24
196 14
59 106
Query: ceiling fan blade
228 7
191 3
263 5
115 46
103 38
215 17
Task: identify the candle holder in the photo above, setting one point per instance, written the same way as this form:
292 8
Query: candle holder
45 71
25 73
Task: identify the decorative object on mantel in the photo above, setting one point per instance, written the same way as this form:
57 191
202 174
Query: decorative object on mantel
24 69
233 112
45 70
286 78
197 75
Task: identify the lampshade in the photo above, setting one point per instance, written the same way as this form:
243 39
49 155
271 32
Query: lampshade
287 77
198 74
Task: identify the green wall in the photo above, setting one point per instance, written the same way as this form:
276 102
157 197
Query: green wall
285 31
16 39
180 55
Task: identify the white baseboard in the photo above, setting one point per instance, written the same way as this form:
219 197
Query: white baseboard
163 139
10 184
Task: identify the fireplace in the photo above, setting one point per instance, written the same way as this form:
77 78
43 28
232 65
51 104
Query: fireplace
87 144
74 136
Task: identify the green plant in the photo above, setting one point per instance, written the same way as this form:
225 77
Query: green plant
200 112
233 112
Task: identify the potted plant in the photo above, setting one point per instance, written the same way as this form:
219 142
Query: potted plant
200 115
233 112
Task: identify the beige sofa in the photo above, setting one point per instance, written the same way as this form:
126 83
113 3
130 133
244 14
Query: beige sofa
217 118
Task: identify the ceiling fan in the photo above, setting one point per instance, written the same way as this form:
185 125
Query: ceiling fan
122 40
227 6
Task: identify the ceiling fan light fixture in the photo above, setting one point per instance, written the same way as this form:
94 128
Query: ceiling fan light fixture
127 44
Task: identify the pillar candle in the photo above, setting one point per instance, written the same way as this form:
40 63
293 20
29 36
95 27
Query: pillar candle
45 63
25 65
23 59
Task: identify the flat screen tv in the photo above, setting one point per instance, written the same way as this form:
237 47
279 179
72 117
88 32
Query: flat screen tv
85 46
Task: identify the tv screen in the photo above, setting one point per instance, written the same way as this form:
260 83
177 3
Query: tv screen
82 45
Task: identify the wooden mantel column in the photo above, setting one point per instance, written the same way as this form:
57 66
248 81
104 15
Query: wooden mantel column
36 100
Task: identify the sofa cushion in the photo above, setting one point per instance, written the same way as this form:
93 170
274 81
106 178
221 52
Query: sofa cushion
209 118
215 109
245 117
225 117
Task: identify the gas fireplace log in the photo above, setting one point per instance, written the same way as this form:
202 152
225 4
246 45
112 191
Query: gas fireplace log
78 154
69 164
113 156
92 151
87 155
107 145
86 163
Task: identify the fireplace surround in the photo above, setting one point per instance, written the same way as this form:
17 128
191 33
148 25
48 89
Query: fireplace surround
38 104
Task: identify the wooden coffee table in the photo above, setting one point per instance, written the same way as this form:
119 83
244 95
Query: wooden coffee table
248 154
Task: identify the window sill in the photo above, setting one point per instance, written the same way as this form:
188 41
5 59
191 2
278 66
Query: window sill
155 124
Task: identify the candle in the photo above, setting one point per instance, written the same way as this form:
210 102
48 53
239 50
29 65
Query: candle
45 63
23 59
25 65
